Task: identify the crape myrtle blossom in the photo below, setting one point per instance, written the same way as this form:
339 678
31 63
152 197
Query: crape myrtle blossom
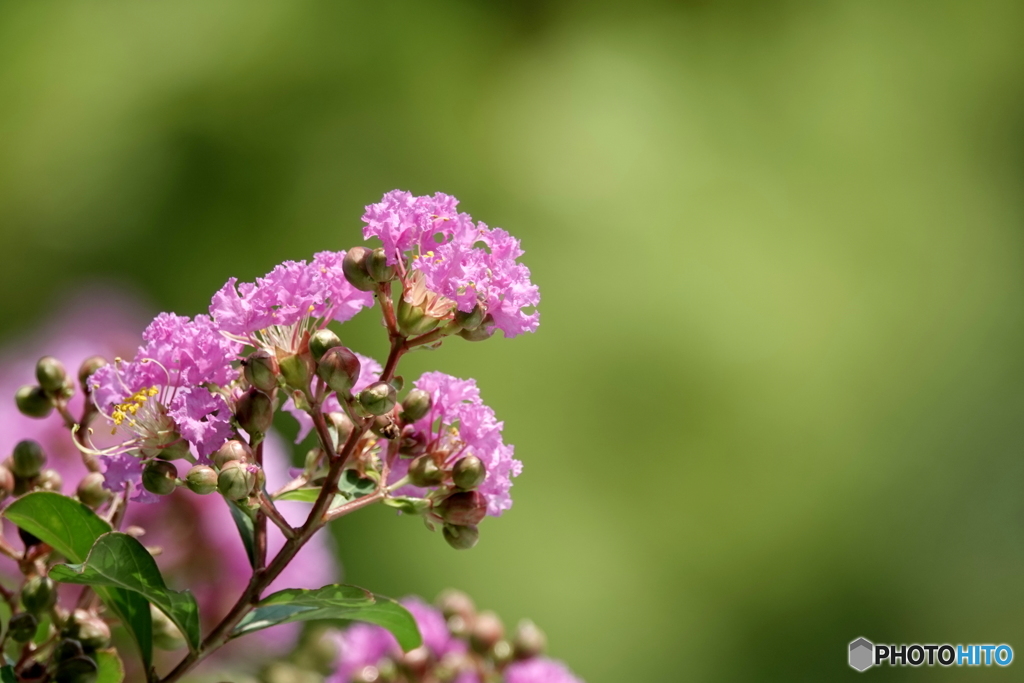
539 670
448 262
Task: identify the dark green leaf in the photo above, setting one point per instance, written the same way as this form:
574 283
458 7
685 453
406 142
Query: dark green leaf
395 618
246 529
7 675
62 523
119 561
5 618
111 667
133 611
352 486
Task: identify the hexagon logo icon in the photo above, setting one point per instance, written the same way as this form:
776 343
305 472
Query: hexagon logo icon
862 654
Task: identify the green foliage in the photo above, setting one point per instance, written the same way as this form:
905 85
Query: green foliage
111 667
246 529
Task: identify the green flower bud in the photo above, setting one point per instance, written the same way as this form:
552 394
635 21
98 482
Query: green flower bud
39 594
254 412
377 266
93 633
91 490
67 648
413 443
32 401
175 450
7 483
482 333
166 635
502 653
487 631
297 370
384 426
201 479
28 458
51 374
235 481
159 477
321 341
260 369
461 537
23 626
355 268
339 369
529 641
77 670
50 480
413 320
423 471
231 450
471 320
453 602
469 472
89 366
465 508
416 405
378 398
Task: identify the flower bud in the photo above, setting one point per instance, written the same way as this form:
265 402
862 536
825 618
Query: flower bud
465 508
461 537
322 340
416 405
91 490
377 266
529 641
50 480
471 320
254 412
416 662
67 648
32 401
487 631
355 268
502 653
7 483
423 471
413 442
166 635
51 374
23 627
339 369
159 477
231 450
89 366
260 369
28 458
175 450
384 426
202 480
39 594
77 670
297 370
378 398
469 472
413 320
236 481
93 633
453 602
482 333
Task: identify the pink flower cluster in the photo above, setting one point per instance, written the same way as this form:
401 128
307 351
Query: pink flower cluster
467 263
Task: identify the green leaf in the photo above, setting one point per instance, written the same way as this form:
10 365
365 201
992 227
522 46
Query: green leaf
352 486
395 618
411 506
304 495
110 665
60 522
5 618
119 561
246 529
7 675
133 611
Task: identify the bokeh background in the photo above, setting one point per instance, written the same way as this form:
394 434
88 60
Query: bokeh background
775 402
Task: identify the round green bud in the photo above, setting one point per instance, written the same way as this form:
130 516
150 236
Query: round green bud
67 648
235 481
93 633
297 370
91 490
482 333
201 479
28 458
377 266
260 370
175 450
166 635
469 472
159 477
355 268
51 374
232 449
23 626
416 405
39 594
470 320
378 398
76 670
461 537
32 401
339 369
529 641
465 508
502 653
454 602
487 631
321 341
423 471
7 483
254 412
50 480
413 320
89 366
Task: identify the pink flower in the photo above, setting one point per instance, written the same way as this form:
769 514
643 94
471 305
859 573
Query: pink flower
539 670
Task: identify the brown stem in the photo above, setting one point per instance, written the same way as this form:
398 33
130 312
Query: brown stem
388 306
260 532
274 515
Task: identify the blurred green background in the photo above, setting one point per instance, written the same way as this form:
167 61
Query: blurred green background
775 401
